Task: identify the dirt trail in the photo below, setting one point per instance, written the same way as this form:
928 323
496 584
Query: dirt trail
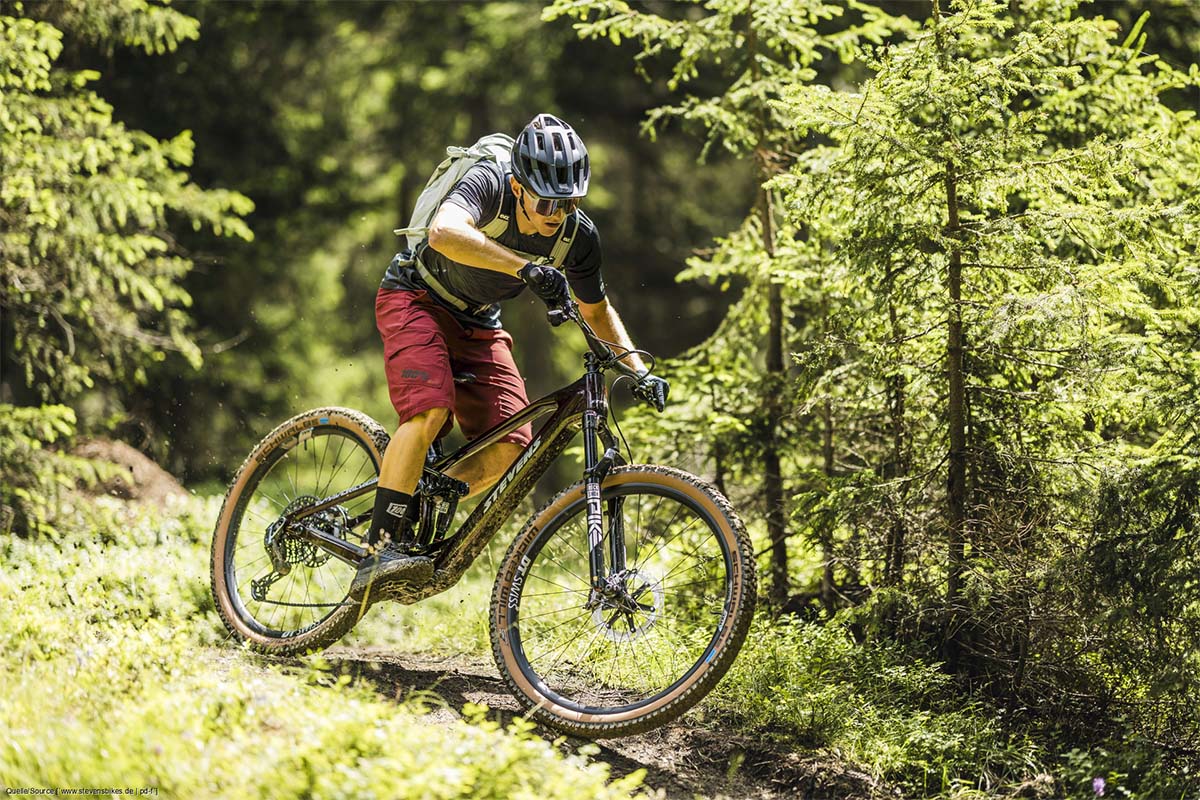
683 760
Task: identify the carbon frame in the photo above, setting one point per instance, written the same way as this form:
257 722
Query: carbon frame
581 406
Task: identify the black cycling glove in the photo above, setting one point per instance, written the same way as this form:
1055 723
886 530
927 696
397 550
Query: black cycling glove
653 389
547 283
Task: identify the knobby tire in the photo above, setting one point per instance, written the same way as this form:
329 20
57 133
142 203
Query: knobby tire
241 528
595 672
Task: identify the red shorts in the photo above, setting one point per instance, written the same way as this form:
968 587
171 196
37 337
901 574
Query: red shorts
424 346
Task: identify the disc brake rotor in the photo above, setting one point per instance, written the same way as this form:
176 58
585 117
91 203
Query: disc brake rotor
630 607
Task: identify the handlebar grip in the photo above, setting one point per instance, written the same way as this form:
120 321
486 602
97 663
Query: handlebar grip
556 317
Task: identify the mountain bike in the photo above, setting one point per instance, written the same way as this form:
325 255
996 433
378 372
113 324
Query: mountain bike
617 607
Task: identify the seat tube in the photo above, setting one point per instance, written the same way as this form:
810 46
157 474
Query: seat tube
596 405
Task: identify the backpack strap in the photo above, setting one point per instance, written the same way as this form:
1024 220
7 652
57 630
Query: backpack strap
441 291
497 225
558 253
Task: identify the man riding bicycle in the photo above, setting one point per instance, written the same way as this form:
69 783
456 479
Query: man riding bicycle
437 312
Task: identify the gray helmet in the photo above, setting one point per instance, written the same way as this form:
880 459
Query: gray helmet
549 159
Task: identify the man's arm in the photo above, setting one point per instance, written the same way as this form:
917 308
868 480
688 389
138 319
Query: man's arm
453 234
605 321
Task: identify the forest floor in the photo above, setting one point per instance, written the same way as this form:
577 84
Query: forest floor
683 760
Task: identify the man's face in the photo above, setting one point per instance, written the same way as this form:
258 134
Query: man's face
544 224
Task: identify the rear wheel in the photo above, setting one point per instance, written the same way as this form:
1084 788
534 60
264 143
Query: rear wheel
304 606
657 637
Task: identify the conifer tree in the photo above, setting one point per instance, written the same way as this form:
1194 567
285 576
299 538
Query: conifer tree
91 274
1014 192
748 50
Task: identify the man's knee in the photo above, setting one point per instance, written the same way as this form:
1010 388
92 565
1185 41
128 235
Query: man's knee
429 422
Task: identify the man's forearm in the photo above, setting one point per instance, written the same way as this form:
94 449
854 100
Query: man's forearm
468 245
606 322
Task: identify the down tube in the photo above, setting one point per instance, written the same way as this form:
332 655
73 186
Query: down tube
547 445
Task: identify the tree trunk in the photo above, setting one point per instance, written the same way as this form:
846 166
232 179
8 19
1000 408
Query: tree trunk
775 378
898 467
773 472
827 585
956 481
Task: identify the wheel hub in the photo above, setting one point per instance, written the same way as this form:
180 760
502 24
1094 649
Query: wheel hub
629 605
287 545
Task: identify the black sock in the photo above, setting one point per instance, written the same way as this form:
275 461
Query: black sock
391 517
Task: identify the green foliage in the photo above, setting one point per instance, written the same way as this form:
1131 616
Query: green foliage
737 378
115 680
33 473
90 273
874 705
987 267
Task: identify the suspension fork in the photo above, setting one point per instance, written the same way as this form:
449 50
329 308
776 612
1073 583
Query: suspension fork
596 468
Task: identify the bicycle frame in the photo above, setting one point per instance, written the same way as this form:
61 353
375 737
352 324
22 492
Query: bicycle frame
582 406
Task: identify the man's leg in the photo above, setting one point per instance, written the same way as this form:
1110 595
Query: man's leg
395 508
421 389
404 459
482 470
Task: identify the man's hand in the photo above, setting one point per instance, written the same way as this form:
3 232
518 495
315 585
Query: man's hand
653 389
547 283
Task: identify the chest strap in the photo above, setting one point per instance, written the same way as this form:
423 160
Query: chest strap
442 292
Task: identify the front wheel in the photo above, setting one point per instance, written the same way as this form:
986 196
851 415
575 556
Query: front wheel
661 632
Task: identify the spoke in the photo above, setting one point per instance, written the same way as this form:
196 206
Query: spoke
570 641
582 522
336 466
569 571
342 465
675 587
667 527
249 564
552 583
693 559
543 632
264 493
550 594
568 610
295 474
586 650
654 654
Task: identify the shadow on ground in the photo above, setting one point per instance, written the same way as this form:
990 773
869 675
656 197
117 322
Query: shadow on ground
687 759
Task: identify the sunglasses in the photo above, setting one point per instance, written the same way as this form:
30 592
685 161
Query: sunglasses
547 208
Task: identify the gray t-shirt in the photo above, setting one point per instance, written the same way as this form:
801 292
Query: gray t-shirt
482 189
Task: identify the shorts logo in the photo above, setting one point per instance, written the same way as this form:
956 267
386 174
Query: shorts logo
396 509
415 375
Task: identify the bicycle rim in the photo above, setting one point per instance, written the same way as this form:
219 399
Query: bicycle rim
618 657
317 463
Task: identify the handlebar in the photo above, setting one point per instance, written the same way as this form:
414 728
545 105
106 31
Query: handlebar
608 358
569 311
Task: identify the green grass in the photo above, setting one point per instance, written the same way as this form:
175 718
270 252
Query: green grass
894 715
117 675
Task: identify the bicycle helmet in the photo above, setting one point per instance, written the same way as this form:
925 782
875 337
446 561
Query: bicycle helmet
549 159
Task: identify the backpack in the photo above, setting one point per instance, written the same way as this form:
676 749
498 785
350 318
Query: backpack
495 147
